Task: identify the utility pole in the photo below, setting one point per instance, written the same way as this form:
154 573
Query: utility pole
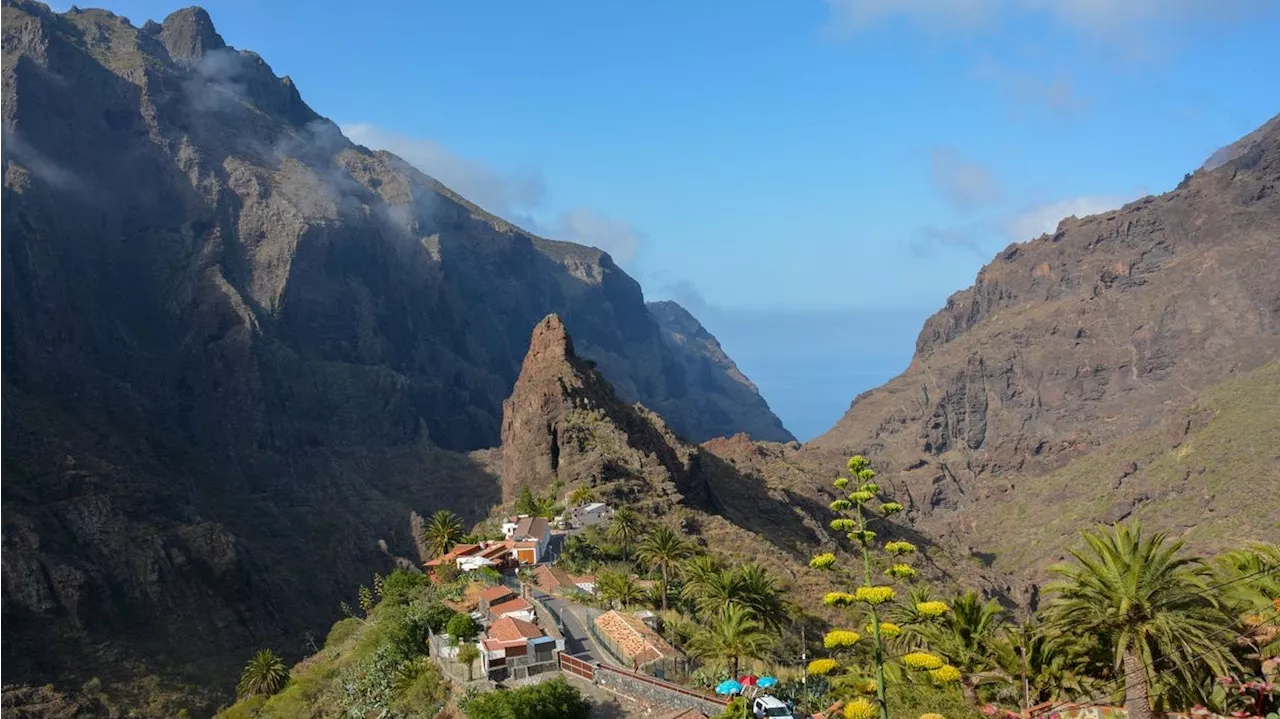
1026 686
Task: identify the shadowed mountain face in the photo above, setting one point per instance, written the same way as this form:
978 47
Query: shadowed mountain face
235 344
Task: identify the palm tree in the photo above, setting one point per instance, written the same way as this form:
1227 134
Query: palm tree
442 532
966 636
664 549
1250 581
734 634
625 527
1057 666
698 572
761 594
617 587
467 655
264 674
1148 602
581 496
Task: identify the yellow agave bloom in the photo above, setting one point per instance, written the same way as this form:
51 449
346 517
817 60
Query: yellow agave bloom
890 508
945 674
866 686
860 709
932 609
875 595
844 525
901 571
840 639
922 660
841 482
857 463
838 599
841 505
871 487
823 561
862 497
888 630
866 536
866 475
931 715
823 667
900 547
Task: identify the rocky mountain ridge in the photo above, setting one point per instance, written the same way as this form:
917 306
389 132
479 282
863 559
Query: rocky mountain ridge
239 350
1071 344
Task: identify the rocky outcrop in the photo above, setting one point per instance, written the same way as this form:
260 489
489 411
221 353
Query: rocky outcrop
239 350
1072 342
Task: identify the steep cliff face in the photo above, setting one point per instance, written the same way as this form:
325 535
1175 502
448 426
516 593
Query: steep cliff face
720 395
1075 341
235 344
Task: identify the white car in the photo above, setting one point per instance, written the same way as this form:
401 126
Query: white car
767 706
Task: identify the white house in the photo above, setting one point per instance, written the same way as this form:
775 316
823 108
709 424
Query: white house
532 537
512 641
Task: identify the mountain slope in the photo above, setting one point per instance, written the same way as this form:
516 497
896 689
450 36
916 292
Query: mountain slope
1074 343
239 349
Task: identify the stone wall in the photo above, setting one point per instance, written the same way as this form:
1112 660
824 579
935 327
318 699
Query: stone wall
655 692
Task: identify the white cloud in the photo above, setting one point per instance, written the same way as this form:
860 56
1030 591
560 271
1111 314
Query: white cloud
587 227
506 195
965 184
1042 219
1056 94
516 197
1110 19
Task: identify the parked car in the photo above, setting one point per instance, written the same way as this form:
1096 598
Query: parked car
768 706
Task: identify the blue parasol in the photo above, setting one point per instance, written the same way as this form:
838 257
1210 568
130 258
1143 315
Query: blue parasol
766 682
728 686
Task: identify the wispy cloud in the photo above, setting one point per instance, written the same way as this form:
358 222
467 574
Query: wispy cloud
964 183
504 194
1111 20
1044 218
1056 94
515 196
588 227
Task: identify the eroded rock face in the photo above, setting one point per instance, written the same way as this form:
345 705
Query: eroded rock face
254 338
1074 341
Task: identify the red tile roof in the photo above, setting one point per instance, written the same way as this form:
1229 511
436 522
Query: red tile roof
493 594
552 578
460 550
512 631
635 639
515 605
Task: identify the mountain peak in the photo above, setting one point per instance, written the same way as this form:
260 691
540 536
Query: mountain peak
189 33
550 342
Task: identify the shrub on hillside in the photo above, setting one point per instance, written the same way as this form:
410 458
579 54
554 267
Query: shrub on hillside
553 699
400 587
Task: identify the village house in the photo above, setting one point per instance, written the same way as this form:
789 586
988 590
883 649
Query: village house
493 596
531 537
502 556
590 514
636 643
513 643
517 608
554 580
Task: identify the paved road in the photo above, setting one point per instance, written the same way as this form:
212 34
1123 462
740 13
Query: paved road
577 640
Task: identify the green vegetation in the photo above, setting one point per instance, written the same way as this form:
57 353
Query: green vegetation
371 666
553 699
664 549
467 655
264 674
462 628
534 506
1145 599
625 527
442 532
733 634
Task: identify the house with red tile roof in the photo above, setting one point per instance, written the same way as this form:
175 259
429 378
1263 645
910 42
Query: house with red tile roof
493 596
510 643
532 536
517 608
633 641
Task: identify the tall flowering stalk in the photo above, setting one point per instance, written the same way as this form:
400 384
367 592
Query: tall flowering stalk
863 505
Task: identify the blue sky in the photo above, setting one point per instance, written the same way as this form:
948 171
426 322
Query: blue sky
811 178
